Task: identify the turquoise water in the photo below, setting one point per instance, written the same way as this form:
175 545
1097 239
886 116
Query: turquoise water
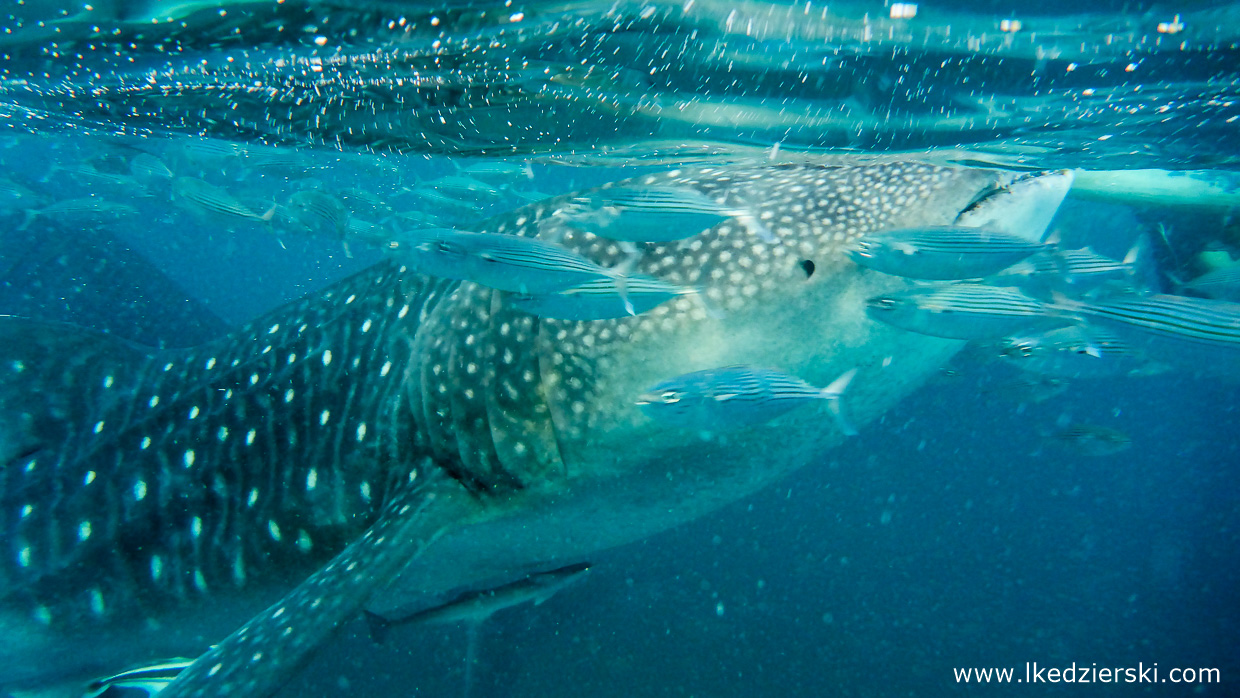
954 532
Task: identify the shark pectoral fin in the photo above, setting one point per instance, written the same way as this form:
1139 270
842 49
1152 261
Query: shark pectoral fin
267 651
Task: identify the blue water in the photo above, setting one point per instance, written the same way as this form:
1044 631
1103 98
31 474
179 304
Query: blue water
952 533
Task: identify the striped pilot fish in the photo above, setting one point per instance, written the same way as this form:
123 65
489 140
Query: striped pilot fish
399 435
942 253
738 396
655 214
1197 333
963 311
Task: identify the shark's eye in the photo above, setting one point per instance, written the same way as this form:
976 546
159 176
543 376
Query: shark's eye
807 265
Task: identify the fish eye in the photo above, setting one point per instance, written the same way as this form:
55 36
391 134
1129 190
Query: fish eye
808 266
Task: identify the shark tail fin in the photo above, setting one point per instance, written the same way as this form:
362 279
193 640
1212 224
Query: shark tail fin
56 380
378 626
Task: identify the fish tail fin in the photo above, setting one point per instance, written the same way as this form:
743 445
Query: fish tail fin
620 274
378 627
834 394
269 213
1142 268
30 215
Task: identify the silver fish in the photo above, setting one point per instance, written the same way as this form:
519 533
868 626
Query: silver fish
1220 284
738 396
397 435
942 253
1092 440
1176 329
654 214
206 197
477 606
962 311
148 680
601 299
502 262
1071 352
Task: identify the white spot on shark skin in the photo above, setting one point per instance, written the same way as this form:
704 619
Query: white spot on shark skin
27 510
274 529
215 669
361 431
195 526
153 401
249 437
222 434
327 357
252 499
18 366
108 381
42 615
96 602
157 567
304 544
189 458
404 310
292 358
288 395
312 479
167 367
274 328
366 326
210 363
200 581
365 490
350 299
88 478
99 426
23 557
31 466
387 368
193 412
139 490
84 530
324 416
253 379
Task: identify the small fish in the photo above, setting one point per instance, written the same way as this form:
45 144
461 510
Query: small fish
148 680
87 208
942 253
1073 271
738 396
1221 284
602 299
1071 352
1168 327
149 168
1029 388
466 187
475 607
499 172
654 214
203 196
321 213
503 262
1091 439
455 206
962 311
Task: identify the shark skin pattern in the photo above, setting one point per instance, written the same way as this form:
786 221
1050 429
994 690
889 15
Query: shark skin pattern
398 435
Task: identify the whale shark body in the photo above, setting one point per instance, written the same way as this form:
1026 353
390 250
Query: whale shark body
397 434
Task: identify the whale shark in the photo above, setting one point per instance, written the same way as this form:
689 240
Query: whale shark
397 435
